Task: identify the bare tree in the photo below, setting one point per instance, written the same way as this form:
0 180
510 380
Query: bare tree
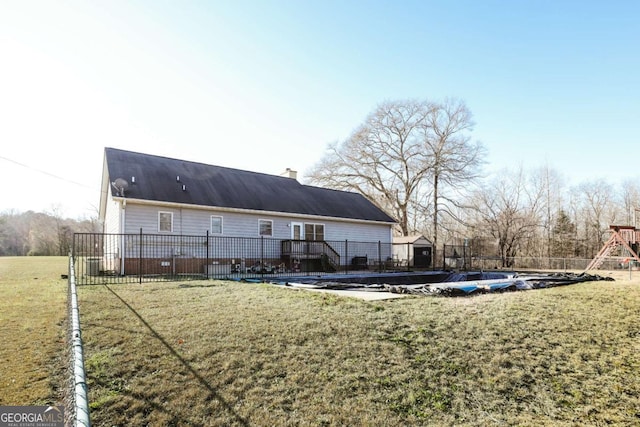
381 160
600 211
14 233
452 159
549 183
630 195
43 239
509 211
34 233
402 156
4 234
62 231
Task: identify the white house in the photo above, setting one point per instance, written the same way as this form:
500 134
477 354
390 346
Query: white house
147 194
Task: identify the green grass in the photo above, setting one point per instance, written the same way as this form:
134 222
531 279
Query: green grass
32 313
226 353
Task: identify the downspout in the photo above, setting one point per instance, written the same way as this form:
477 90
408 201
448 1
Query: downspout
123 205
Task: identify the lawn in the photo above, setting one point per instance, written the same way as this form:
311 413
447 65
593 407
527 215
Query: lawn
32 315
227 353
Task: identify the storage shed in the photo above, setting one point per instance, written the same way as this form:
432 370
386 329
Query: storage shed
413 251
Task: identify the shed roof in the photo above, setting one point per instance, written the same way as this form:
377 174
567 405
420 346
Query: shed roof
416 240
156 179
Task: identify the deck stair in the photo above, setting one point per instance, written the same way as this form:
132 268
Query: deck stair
312 250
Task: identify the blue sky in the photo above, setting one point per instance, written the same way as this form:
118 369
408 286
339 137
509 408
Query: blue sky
265 86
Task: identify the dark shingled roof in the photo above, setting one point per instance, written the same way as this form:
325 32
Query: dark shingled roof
216 186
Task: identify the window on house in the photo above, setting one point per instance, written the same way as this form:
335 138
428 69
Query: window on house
314 232
216 224
165 222
266 227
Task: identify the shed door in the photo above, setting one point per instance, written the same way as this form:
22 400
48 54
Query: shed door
421 257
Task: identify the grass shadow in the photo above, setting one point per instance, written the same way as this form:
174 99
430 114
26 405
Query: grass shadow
213 393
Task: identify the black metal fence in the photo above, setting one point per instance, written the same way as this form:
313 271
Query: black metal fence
463 258
126 258
114 258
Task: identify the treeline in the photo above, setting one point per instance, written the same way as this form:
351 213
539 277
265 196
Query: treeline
417 161
534 213
40 234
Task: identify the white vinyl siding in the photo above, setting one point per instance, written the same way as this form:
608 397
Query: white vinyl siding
343 236
112 217
197 222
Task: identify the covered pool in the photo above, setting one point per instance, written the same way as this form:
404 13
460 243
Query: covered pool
444 283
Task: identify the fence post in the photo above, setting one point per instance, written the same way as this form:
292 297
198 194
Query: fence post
464 258
206 265
262 257
408 253
123 253
306 251
346 255
140 258
73 248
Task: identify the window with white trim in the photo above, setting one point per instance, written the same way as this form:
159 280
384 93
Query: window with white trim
165 222
216 224
265 227
314 232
